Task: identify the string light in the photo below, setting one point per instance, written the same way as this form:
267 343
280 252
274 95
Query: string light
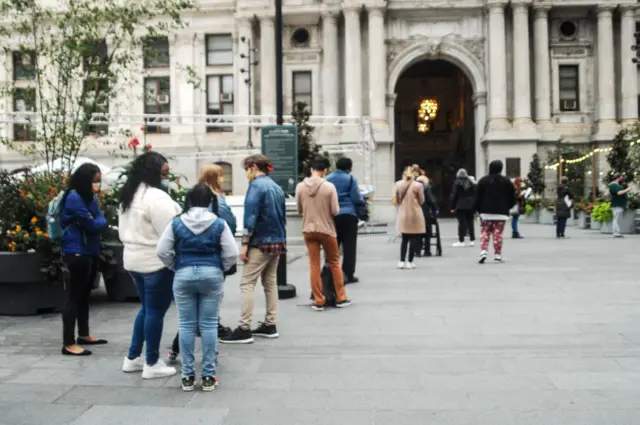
584 157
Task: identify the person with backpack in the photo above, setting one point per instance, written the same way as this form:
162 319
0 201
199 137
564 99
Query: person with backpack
145 211
200 247
317 201
211 175
462 203
352 209
77 225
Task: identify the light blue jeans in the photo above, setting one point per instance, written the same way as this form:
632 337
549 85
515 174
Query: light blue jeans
197 291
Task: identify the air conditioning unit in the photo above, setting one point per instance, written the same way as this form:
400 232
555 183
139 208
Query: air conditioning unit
569 105
102 104
26 60
226 97
162 99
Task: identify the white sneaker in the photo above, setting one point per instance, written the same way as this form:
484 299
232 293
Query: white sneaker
471 243
411 265
483 257
498 259
458 244
401 265
135 365
158 370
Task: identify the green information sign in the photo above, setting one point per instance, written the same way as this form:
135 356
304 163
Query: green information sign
280 144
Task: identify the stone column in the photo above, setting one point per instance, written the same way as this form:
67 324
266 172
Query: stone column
542 69
628 69
267 66
377 65
242 91
353 62
606 75
521 69
480 104
330 67
497 69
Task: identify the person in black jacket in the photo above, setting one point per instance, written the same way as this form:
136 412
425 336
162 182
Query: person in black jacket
462 203
563 211
430 210
495 196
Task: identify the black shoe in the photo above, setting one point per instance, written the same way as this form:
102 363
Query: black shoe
238 336
189 383
209 383
66 352
427 254
516 235
343 304
265 331
223 331
351 279
82 341
418 255
173 357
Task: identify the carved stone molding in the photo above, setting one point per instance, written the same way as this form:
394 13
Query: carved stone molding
432 46
391 99
479 99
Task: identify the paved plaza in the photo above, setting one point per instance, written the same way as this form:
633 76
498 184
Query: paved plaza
550 337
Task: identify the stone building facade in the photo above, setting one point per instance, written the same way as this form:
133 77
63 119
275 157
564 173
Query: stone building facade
526 74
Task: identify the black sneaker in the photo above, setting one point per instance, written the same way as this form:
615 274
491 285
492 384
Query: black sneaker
238 336
343 304
173 357
189 383
224 331
351 279
265 331
209 383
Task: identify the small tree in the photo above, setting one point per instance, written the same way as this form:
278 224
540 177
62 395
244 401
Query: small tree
619 159
74 57
575 172
535 177
307 149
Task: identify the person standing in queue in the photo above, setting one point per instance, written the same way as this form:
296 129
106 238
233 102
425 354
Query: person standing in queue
347 219
430 211
263 241
462 203
82 221
409 195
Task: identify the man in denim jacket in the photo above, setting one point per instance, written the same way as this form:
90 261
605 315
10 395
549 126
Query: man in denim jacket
263 242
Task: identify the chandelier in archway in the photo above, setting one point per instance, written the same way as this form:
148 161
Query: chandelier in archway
427 112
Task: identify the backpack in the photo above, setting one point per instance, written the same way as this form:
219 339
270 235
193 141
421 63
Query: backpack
328 287
54 227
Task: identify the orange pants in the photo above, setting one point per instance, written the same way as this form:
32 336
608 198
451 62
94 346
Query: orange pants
314 241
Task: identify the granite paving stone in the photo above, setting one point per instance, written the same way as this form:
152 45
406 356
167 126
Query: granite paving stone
550 337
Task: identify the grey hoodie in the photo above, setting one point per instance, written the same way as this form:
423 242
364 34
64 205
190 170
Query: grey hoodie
197 220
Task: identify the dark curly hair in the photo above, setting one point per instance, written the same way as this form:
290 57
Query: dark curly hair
82 182
147 169
200 196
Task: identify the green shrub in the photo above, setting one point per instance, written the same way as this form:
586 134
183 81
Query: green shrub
602 212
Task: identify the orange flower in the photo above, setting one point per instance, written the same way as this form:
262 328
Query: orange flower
34 220
18 228
46 235
13 250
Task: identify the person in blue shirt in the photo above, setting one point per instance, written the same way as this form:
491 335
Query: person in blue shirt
347 219
200 247
82 222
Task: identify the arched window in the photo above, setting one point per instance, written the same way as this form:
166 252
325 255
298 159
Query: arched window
227 175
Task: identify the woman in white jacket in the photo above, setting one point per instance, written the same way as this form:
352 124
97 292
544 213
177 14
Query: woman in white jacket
145 210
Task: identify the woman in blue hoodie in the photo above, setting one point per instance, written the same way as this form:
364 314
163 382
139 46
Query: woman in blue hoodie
82 221
200 247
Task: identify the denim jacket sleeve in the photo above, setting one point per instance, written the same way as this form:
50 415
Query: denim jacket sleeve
252 202
356 196
225 213
229 247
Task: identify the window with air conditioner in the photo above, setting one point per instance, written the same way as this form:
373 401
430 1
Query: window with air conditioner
96 98
24 101
569 84
220 100
24 65
219 49
156 52
302 91
157 102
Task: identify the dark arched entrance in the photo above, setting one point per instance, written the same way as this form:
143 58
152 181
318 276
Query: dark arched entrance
442 143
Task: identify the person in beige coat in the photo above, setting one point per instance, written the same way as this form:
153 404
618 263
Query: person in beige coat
409 195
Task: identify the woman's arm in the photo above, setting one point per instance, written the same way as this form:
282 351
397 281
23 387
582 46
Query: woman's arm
166 247
229 247
75 211
162 211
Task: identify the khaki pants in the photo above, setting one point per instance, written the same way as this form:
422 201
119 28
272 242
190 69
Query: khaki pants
265 267
314 242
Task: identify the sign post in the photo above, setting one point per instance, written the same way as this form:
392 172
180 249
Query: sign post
280 145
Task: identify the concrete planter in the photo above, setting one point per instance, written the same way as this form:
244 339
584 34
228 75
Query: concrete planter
24 288
607 228
582 222
595 225
533 218
117 280
628 223
546 216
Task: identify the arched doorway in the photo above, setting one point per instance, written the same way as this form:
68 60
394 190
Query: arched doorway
435 124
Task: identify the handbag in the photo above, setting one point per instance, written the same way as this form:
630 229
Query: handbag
362 209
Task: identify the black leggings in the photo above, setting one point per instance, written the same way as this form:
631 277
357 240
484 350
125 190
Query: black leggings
465 225
78 281
411 241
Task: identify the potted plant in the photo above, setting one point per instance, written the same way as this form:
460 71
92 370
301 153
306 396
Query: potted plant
547 212
117 280
531 211
583 211
27 285
603 214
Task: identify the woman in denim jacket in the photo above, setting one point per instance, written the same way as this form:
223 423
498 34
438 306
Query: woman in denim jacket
200 247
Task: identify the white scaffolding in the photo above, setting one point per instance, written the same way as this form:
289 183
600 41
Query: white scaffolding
335 134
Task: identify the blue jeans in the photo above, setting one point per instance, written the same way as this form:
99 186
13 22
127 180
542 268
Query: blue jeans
514 223
198 291
155 294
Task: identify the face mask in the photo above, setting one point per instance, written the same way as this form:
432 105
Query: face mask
250 174
165 184
97 187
